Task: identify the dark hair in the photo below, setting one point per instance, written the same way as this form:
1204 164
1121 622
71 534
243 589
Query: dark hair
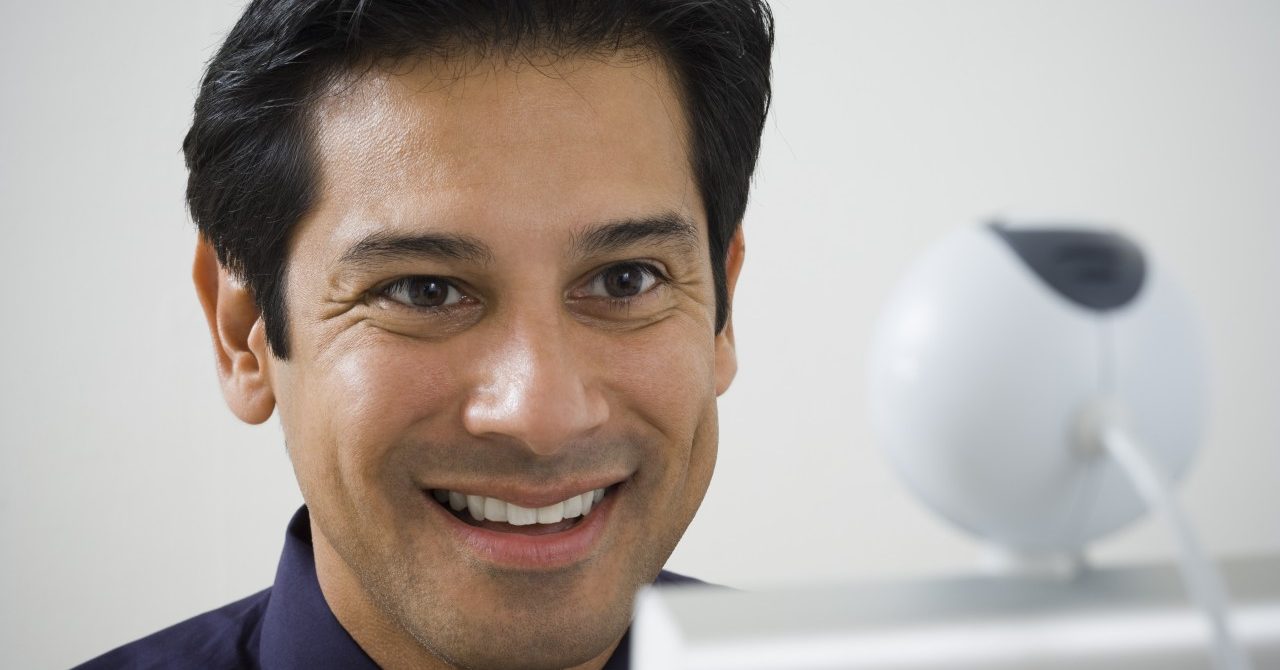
252 166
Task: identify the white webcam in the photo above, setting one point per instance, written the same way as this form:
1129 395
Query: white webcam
1040 386
993 356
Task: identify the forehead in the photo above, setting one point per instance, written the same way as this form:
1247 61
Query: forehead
503 146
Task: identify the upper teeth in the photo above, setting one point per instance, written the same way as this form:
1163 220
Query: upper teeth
484 507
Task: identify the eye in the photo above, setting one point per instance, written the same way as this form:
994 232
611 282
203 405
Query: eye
426 292
623 281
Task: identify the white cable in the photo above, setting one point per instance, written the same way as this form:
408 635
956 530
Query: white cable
1204 584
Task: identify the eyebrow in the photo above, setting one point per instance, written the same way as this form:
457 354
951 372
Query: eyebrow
665 228
381 247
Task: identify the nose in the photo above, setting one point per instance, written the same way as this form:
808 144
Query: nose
536 387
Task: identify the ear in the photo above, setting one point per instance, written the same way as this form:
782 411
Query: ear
239 337
726 355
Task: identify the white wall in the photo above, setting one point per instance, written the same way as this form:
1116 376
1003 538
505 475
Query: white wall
131 498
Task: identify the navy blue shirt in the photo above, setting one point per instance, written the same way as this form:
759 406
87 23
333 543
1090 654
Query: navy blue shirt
286 626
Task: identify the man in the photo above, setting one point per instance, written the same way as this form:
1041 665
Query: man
480 257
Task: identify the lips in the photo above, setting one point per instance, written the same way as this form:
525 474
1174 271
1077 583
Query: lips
515 536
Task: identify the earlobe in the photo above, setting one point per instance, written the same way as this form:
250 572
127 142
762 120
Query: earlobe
726 359
726 353
239 337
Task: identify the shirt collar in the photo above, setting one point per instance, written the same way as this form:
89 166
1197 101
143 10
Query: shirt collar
298 628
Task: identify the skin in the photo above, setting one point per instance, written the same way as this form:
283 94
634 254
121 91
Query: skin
535 376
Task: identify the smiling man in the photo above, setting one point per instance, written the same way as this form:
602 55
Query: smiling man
480 257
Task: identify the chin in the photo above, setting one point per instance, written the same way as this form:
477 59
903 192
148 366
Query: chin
563 632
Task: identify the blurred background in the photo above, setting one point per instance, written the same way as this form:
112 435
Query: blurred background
131 498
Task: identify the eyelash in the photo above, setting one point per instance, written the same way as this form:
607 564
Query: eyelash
625 304
612 303
396 285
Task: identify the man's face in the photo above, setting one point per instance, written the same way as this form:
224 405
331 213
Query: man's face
504 290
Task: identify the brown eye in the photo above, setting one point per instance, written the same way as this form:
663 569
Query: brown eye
625 280
423 292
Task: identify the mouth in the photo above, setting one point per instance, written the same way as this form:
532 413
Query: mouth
505 517
526 537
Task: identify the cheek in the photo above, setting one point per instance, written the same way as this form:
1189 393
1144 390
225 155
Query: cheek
668 384
667 372
353 414
667 381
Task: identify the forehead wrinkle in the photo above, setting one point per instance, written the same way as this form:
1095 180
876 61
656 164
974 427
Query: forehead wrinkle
373 88
373 134
368 128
